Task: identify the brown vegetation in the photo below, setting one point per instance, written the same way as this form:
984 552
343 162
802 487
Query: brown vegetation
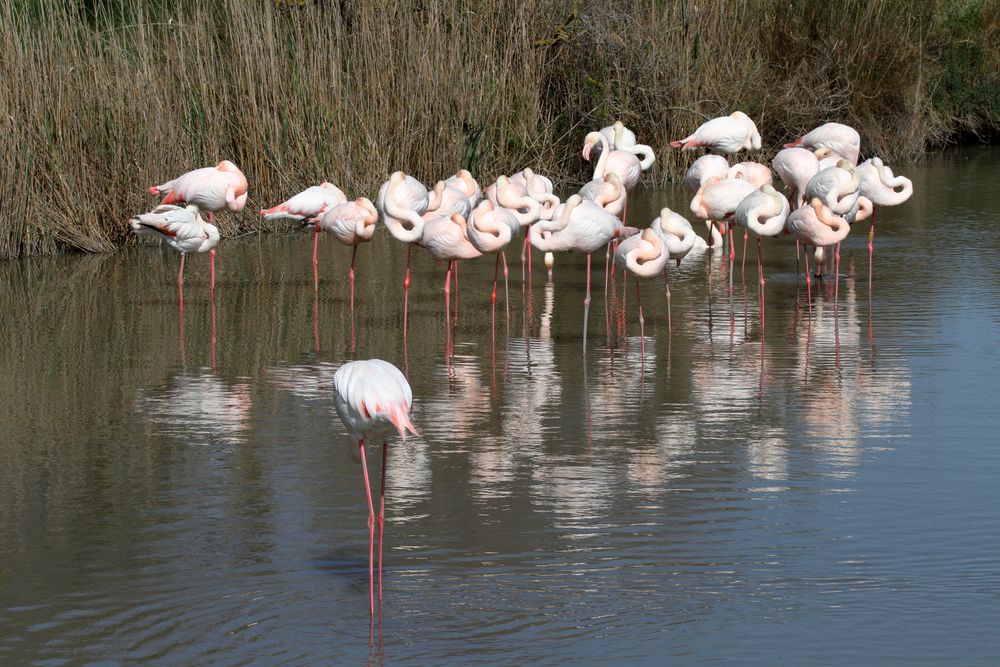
98 100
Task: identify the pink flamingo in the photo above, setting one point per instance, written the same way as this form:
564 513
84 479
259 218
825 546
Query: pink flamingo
727 134
373 399
352 223
402 200
209 188
620 138
717 200
842 139
445 238
764 212
583 226
309 203
490 229
704 169
883 188
837 187
183 229
795 167
445 201
816 225
540 188
756 174
625 165
467 185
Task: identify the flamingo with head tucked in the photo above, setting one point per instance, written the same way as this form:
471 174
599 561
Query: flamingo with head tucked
210 189
465 183
620 138
583 226
764 212
704 169
837 187
882 188
445 238
183 229
842 139
490 229
727 134
622 163
373 400
680 239
817 225
402 200
352 223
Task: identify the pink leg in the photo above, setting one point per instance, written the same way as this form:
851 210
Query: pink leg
586 306
527 241
211 270
213 338
524 251
180 274
354 253
760 280
455 272
381 517
211 218
871 247
836 280
796 256
642 323
371 531
666 286
493 299
406 289
743 265
805 254
315 260
506 290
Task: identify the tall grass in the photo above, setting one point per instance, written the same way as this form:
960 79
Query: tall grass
98 100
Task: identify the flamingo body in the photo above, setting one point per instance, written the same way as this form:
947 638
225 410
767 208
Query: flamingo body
351 223
180 226
310 202
728 134
842 139
705 168
210 188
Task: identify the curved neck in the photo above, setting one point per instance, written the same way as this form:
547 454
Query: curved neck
404 223
602 161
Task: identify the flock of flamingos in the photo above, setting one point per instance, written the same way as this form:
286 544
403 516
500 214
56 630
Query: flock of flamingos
828 191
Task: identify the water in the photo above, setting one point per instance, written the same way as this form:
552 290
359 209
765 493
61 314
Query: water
823 491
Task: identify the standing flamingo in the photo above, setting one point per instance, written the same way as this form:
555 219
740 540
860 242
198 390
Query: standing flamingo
727 134
309 203
704 169
816 225
680 239
582 226
490 229
373 399
445 239
837 187
620 138
209 188
351 223
402 200
757 175
183 229
764 212
842 139
717 201
622 163
644 256
540 188
879 185
795 167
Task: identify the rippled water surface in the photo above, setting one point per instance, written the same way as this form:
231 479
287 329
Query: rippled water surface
824 489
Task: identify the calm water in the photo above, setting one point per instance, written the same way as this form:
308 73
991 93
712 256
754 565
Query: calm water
825 490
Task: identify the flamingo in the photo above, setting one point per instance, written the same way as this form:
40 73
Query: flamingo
680 240
644 256
795 167
209 188
445 238
465 183
622 163
842 139
540 188
309 203
351 223
373 399
446 200
764 211
606 192
620 138
756 174
717 199
817 225
402 200
879 185
837 187
727 134
183 229
490 229
583 226
705 168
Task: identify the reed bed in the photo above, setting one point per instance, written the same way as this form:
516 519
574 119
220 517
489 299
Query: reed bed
100 99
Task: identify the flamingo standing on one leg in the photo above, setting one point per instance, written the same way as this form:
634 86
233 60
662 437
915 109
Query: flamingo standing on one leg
816 225
402 200
757 175
717 200
680 239
882 188
490 229
351 223
464 182
539 188
644 256
184 230
373 399
445 238
309 203
582 226
764 212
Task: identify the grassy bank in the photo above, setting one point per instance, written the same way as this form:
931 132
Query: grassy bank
100 99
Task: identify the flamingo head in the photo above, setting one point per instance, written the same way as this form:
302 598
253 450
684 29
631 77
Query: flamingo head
589 142
226 165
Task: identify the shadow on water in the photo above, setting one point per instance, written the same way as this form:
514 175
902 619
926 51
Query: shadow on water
817 486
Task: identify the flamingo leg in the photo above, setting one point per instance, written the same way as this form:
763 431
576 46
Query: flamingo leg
455 273
180 274
493 299
760 280
642 324
371 531
381 516
354 254
406 289
805 254
836 280
527 244
213 337
506 290
211 218
871 246
797 244
211 269
586 306
315 260
743 265
666 286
